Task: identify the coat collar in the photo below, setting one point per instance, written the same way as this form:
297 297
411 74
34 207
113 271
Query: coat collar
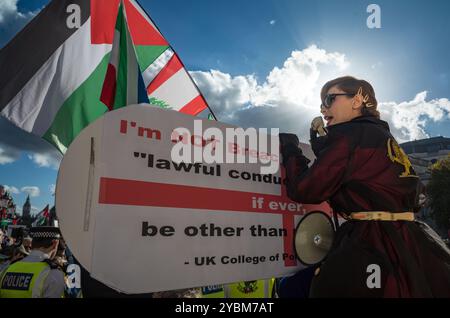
365 119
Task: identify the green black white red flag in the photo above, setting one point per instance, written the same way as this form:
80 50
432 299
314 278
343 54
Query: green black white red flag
42 218
53 70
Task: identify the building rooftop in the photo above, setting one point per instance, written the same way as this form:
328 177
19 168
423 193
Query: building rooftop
429 145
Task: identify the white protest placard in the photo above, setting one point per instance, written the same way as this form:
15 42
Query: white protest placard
141 222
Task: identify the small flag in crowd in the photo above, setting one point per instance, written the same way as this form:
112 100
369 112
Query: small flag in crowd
42 218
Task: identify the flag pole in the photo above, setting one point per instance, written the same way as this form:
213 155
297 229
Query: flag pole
170 46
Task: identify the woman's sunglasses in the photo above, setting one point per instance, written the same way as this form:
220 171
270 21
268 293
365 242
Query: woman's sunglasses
330 98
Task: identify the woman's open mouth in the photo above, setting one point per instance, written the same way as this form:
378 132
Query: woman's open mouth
328 119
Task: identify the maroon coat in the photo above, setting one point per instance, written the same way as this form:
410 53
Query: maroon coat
360 167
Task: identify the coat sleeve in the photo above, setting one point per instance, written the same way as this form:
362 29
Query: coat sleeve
319 182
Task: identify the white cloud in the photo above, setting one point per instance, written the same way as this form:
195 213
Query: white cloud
408 119
14 141
7 155
33 191
299 77
52 189
9 12
272 22
11 20
45 160
225 92
289 97
11 189
296 82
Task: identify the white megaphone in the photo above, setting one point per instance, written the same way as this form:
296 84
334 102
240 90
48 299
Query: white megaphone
313 238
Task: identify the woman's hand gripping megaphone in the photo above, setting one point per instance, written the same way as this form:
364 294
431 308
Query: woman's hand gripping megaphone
318 142
318 126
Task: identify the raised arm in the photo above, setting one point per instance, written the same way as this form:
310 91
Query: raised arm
320 181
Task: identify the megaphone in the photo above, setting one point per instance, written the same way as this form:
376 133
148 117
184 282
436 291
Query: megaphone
313 238
318 125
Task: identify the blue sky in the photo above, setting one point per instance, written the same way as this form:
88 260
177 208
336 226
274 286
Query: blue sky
251 50
25 173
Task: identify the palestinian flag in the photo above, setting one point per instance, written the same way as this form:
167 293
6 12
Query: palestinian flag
123 82
5 222
42 218
53 70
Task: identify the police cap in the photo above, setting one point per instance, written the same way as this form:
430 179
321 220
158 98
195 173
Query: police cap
45 232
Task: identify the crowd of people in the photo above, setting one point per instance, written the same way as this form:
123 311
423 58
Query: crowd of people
12 250
40 251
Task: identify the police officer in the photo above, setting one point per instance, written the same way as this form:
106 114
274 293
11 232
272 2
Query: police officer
35 276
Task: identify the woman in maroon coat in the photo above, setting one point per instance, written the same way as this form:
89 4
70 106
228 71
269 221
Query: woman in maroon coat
366 178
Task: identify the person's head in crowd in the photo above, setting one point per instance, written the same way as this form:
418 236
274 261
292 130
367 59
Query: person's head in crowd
45 239
7 253
27 242
60 257
7 242
61 248
4 257
18 253
17 234
11 241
